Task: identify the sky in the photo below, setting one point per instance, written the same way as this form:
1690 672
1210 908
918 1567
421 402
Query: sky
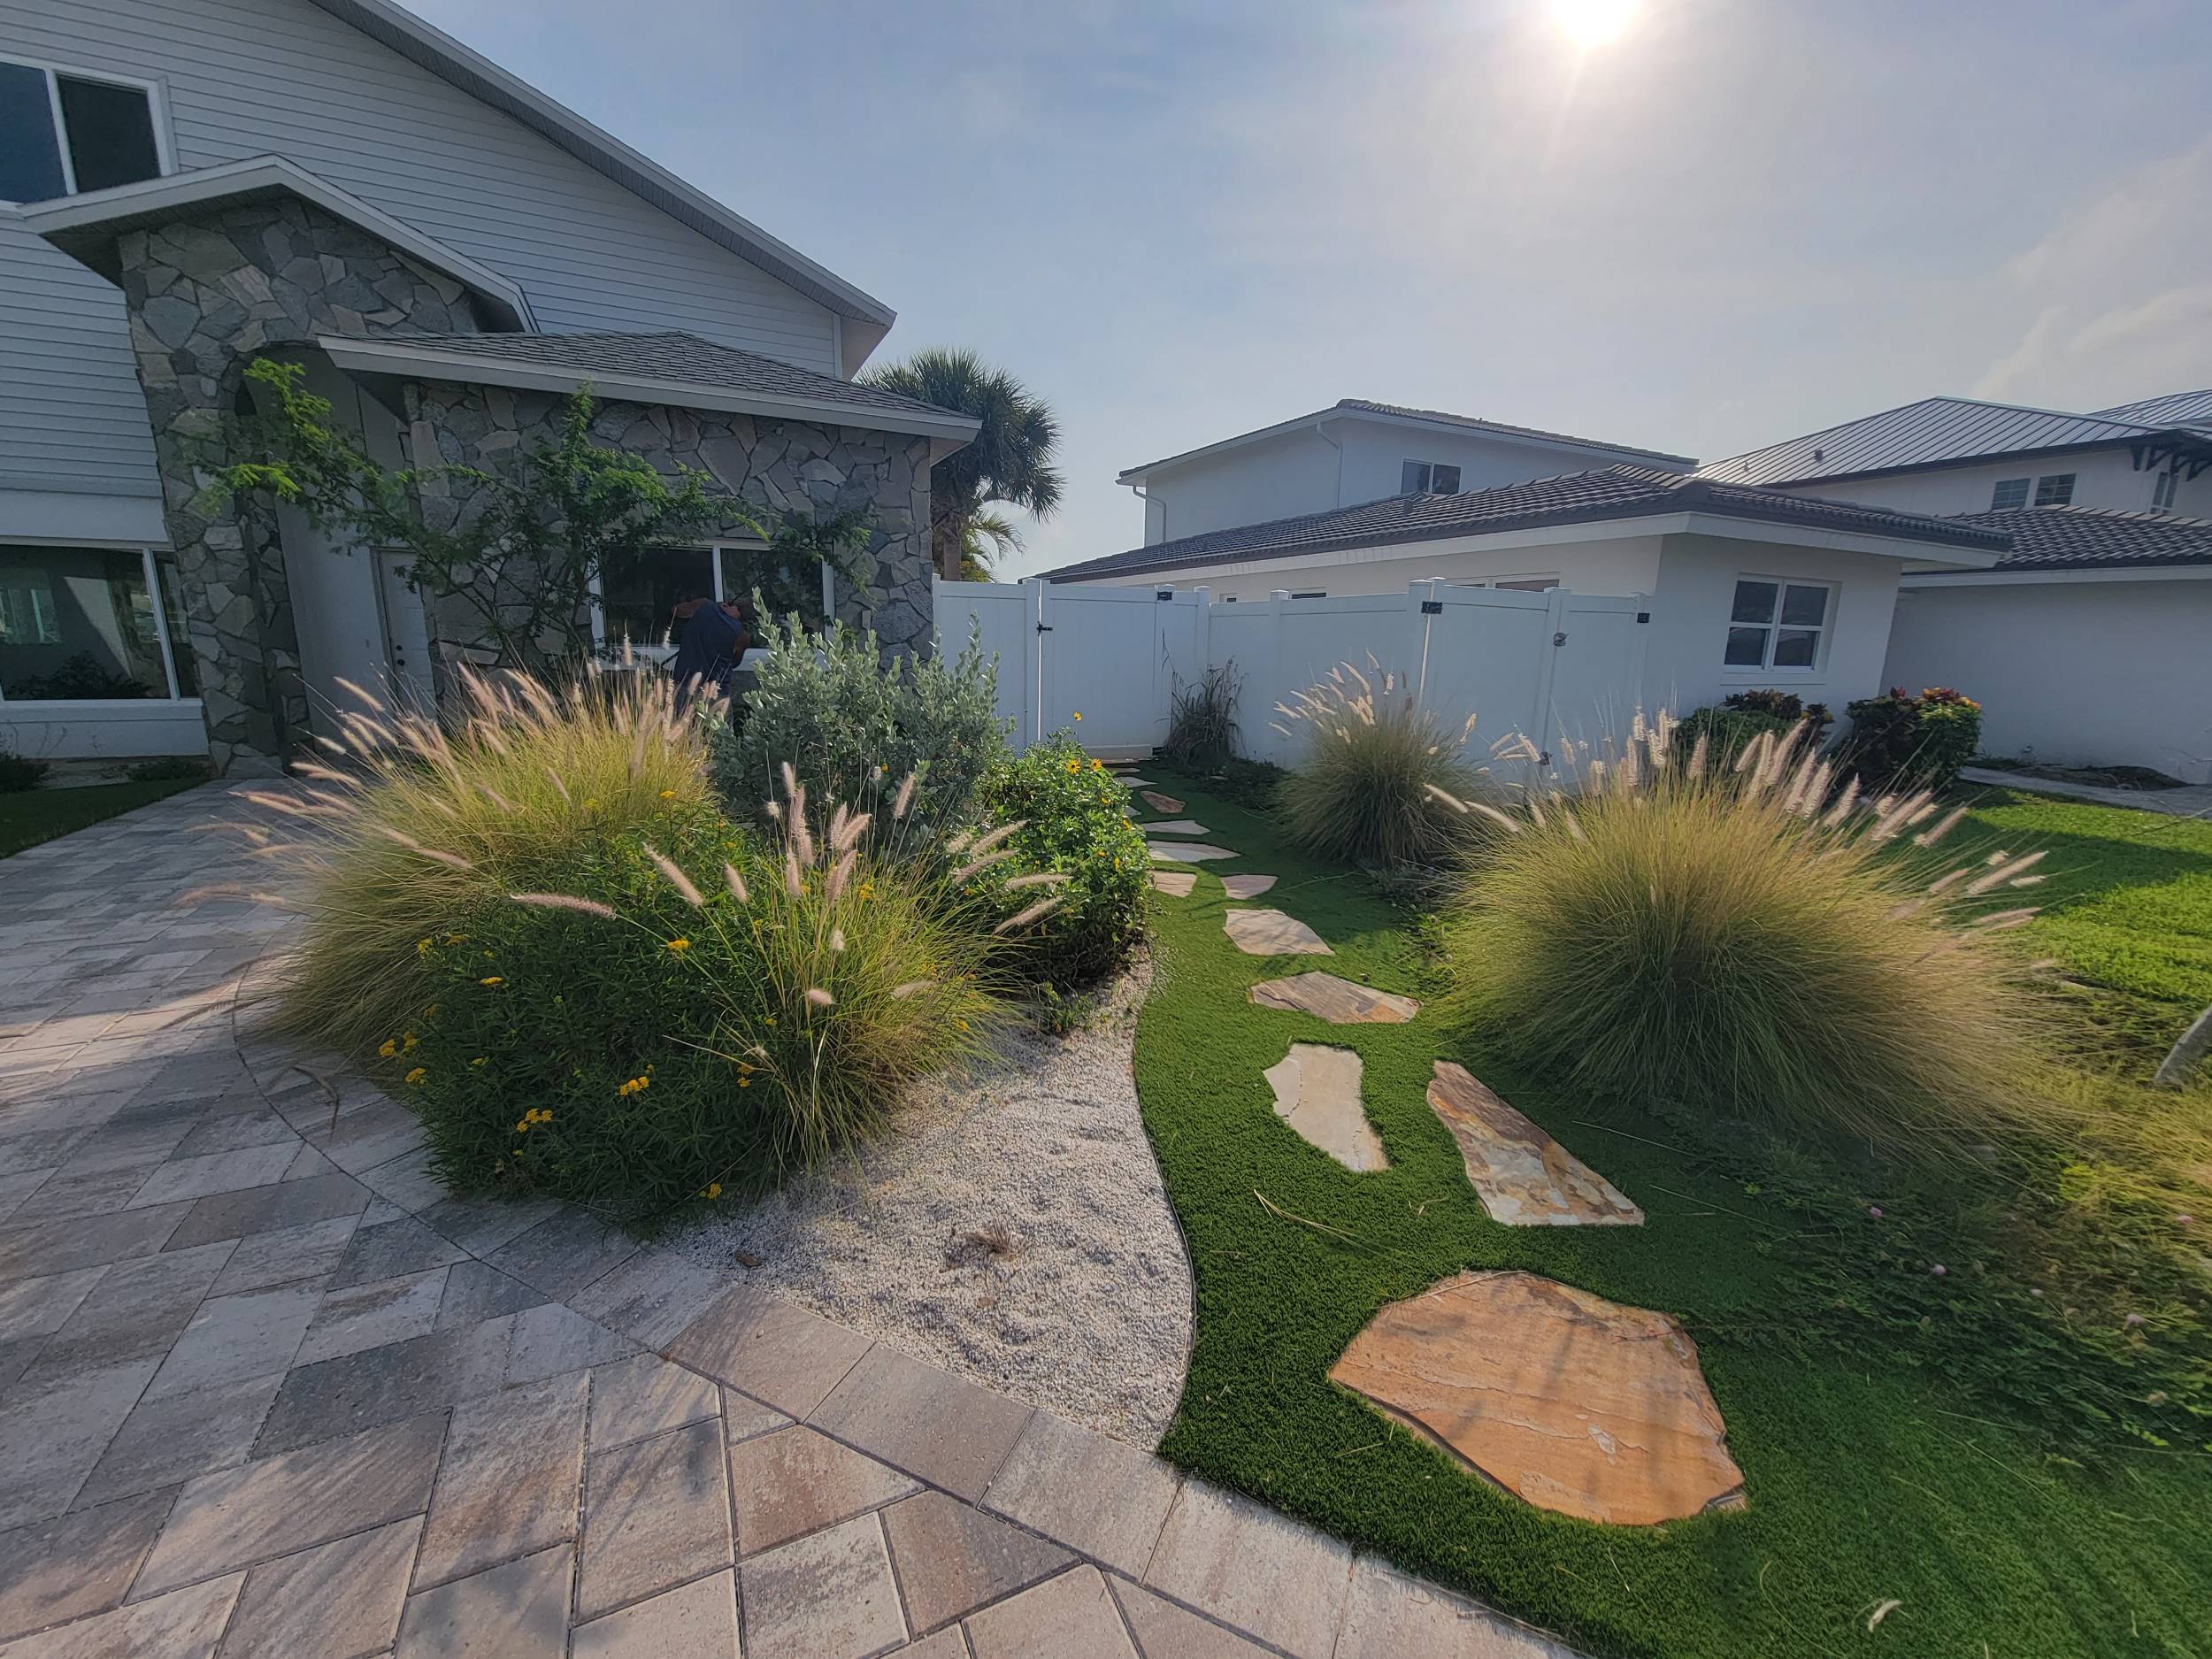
1734 222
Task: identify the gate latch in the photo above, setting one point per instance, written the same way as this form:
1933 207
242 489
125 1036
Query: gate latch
1044 627
1559 639
1432 607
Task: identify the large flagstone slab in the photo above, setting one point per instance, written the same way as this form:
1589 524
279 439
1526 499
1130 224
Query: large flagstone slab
1339 1001
1175 883
1524 1176
1158 802
1173 826
1577 1404
1272 934
1190 852
1318 1094
1246 887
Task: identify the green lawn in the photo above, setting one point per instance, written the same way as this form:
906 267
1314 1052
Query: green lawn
1868 1481
31 815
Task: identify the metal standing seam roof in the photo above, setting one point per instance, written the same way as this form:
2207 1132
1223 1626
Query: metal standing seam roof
1929 433
2175 409
2092 538
1606 493
665 357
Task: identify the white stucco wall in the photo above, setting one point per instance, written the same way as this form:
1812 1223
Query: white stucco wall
2105 672
2106 479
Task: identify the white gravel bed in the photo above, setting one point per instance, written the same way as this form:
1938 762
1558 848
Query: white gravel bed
1009 1225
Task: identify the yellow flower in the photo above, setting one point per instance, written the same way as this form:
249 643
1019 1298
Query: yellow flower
680 945
1074 766
866 890
590 804
479 1060
544 1114
457 939
630 1087
668 795
768 1018
961 1024
491 978
744 1082
1098 766
421 945
406 1041
417 1075
712 1189
1079 714
431 1012
522 1128
387 1048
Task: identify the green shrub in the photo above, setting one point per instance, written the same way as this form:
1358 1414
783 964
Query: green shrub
1255 784
1746 945
427 823
1069 811
1728 728
636 1045
1898 740
1202 727
1364 788
168 767
855 726
19 772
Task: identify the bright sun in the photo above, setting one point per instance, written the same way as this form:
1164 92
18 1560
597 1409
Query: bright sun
1592 22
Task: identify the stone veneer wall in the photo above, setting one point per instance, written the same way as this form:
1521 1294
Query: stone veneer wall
770 465
206 292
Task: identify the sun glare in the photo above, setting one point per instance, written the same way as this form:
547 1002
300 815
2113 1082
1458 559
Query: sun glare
1592 22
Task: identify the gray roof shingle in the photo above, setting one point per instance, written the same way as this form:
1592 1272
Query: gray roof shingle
2095 538
1929 433
1612 492
669 357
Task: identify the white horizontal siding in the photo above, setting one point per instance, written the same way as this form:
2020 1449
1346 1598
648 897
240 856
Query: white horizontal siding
259 77
71 418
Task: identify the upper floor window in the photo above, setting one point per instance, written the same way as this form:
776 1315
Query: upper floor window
2010 492
2054 489
1428 477
62 133
1777 624
2162 492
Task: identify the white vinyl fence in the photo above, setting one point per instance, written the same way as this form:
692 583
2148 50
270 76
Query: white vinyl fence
1558 666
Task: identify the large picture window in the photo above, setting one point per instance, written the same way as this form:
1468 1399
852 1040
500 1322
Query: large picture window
85 624
639 591
62 133
1776 624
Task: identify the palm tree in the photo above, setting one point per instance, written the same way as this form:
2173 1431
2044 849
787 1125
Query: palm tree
1010 460
988 537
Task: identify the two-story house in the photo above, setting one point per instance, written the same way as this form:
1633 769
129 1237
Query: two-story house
2090 643
185 185
1749 587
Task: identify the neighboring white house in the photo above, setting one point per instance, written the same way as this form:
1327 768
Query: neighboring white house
1749 588
2090 643
185 184
1354 452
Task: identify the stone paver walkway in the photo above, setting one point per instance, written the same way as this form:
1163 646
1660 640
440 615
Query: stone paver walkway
265 1389
2190 801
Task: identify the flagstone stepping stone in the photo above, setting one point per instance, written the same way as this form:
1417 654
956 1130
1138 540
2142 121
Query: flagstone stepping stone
1160 802
1190 852
1177 883
1246 887
1524 1176
1339 1002
1130 781
1316 1093
1581 1405
1173 826
1272 934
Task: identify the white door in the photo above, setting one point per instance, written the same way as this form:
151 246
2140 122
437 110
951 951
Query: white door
406 634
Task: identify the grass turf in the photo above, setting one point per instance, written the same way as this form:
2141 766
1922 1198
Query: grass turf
1867 1482
31 815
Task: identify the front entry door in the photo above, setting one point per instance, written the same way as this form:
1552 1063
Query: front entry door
407 632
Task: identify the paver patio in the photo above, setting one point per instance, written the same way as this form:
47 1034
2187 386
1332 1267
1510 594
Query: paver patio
267 1389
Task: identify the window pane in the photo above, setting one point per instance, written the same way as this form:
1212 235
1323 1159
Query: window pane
179 640
1445 480
111 132
1413 478
2010 492
1747 648
30 160
1531 584
1755 602
2054 489
76 623
785 587
639 592
1806 606
1795 647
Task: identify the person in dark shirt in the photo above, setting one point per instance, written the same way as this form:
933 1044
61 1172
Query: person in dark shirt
715 637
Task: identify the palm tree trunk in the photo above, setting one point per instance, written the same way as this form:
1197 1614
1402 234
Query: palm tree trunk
944 543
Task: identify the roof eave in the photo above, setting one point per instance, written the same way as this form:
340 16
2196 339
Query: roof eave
359 356
85 226
449 60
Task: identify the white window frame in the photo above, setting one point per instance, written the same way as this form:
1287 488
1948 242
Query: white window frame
1733 672
149 564
714 551
1427 485
156 112
2027 492
2163 488
2071 478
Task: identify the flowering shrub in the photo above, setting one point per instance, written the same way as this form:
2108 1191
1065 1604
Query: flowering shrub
1923 740
1068 810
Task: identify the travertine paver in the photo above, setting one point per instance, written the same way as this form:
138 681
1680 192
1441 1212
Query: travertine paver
1173 826
1160 802
1388 1616
1318 1094
1191 852
1175 883
1585 1406
1339 1001
1253 1568
1272 934
275 1408
1524 1176
1246 887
